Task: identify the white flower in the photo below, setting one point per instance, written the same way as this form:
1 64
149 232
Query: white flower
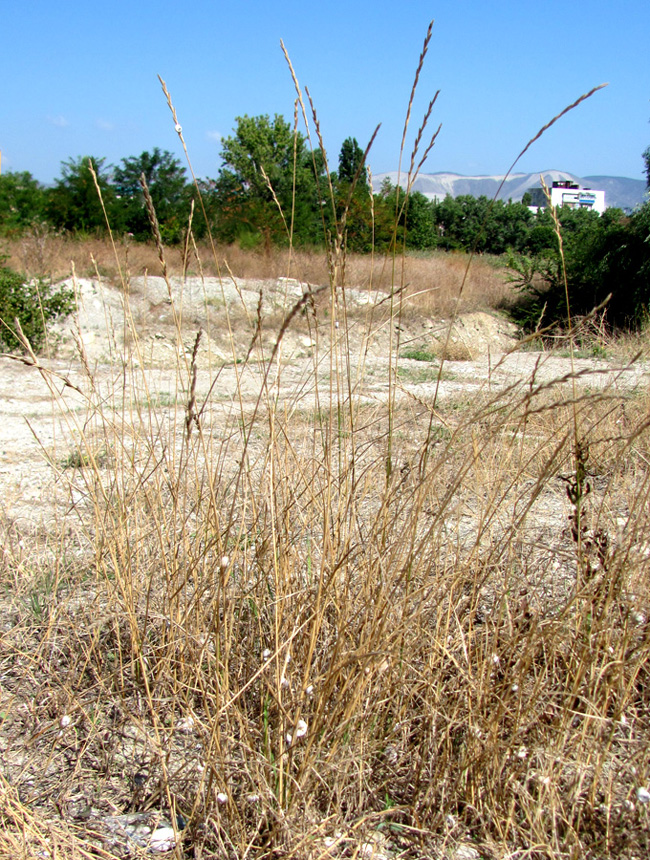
522 752
253 798
643 795
391 754
266 653
289 738
185 725
163 839
310 690
514 688
496 659
301 729
222 797
225 561
65 721
284 682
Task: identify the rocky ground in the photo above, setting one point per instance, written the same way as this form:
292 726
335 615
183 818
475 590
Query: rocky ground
41 408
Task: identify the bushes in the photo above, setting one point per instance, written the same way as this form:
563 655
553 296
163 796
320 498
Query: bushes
603 256
34 303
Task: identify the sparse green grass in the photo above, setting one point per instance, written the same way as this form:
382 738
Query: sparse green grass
420 354
161 399
593 351
419 374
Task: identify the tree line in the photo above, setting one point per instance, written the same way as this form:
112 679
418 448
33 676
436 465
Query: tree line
271 186
260 199
274 188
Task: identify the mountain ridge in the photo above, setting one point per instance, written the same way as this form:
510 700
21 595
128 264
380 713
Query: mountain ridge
620 191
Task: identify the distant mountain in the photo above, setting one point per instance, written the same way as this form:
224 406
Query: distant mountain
619 190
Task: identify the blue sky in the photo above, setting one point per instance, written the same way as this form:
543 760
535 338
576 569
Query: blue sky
81 79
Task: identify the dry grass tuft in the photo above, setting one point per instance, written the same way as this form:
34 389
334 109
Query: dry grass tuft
244 621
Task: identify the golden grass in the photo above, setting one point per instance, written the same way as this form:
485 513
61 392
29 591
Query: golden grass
319 614
432 280
461 663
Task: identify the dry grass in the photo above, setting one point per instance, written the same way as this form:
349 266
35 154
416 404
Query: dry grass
468 654
315 624
432 280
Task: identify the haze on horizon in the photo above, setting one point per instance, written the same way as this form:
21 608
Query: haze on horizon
79 83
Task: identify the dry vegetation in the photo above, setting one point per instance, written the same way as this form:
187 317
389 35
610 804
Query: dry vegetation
303 625
313 627
433 277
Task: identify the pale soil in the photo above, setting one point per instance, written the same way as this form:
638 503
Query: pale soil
36 435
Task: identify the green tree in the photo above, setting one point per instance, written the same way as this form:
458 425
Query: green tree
209 205
260 146
351 165
170 193
448 220
503 226
420 228
384 203
416 228
352 198
268 174
541 235
483 225
22 202
73 203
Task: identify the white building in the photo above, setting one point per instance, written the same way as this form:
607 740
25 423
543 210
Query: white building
567 193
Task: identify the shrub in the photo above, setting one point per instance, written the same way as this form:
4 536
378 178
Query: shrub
604 256
34 303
